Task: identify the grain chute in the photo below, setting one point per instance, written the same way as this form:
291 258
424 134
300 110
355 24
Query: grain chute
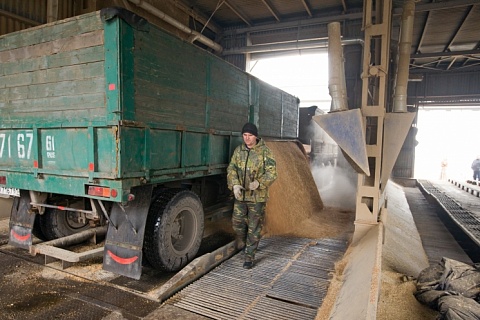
369 136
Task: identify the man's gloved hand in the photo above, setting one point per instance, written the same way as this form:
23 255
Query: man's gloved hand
253 185
237 191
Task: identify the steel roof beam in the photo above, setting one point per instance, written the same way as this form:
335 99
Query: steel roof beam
297 23
472 65
446 54
307 8
439 6
270 8
197 16
422 37
237 12
451 63
423 66
477 47
457 31
347 16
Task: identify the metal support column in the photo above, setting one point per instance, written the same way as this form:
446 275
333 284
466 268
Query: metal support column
377 26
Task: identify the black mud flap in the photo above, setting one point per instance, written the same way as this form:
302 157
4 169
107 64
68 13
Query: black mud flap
124 243
21 221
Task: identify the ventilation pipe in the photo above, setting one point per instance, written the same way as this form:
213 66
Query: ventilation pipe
401 81
337 86
397 123
346 127
194 35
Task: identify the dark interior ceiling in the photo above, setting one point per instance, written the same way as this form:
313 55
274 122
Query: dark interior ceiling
446 33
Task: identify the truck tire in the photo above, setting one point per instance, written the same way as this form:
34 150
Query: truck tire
37 230
174 230
56 223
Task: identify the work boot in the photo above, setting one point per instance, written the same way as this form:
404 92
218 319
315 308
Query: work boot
239 243
248 264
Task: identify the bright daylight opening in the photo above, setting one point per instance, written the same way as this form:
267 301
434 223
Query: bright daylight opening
304 76
448 137
445 137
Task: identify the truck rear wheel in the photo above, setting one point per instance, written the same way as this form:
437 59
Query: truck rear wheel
56 223
174 229
37 229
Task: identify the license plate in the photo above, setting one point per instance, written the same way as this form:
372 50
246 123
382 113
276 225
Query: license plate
10 191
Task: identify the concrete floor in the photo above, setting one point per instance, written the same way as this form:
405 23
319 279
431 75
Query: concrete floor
74 294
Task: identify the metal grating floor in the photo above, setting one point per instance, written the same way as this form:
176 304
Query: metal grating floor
289 281
463 217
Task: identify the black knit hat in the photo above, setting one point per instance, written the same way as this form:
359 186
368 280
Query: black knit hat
250 128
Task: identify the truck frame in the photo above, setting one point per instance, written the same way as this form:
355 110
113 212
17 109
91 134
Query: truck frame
106 119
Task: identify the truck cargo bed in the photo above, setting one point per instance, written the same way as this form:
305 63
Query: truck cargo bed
96 101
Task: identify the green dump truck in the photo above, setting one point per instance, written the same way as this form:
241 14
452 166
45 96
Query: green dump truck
106 120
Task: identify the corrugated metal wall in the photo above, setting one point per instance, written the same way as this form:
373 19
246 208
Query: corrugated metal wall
17 15
405 164
238 60
446 88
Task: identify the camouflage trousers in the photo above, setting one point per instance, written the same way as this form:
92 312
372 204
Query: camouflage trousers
247 222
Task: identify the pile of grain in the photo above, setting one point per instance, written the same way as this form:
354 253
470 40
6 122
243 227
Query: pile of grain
295 207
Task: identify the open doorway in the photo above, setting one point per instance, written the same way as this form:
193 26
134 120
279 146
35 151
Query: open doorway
305 76
448 136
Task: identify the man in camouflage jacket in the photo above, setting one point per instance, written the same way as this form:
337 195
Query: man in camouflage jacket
250 173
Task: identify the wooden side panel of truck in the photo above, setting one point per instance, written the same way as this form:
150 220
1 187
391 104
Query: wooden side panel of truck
99 117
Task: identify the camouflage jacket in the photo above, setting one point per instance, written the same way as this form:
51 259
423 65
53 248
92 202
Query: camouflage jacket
246 165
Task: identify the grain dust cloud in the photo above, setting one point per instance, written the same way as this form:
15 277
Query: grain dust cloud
334 177
336 186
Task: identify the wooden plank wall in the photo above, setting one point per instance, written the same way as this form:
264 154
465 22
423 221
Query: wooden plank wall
278 112
179 84
53 73
173 80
